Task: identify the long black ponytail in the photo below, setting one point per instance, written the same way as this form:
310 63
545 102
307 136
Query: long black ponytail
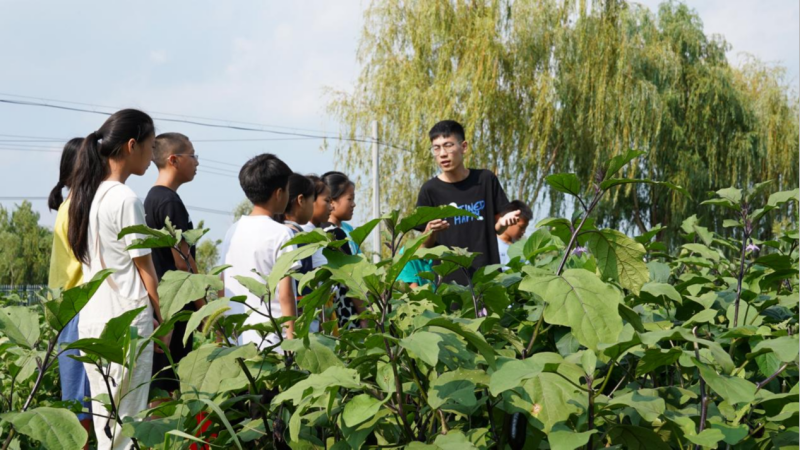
68 156
91 168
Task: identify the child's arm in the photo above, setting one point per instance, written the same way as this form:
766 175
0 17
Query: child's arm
147 271
506 221
288 303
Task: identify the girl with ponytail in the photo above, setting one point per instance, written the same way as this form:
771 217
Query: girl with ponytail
100 207
65 273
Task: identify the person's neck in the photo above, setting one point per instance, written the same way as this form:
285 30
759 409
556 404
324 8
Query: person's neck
506 239
168 180
335 220
294 219
263 210
454 176
117 171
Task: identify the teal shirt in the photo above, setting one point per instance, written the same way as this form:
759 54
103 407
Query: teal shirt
347 228
411 271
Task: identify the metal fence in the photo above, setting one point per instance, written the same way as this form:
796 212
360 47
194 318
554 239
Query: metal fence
26 292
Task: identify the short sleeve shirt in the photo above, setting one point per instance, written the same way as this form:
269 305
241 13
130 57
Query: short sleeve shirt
65 270
162 203
118 209
254 242
481 194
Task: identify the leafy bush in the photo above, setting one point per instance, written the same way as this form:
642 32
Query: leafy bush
589 338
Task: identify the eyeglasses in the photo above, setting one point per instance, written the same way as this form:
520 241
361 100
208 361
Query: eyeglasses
192 155
449 147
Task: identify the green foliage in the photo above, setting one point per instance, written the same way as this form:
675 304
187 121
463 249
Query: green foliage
25 247
545 87
620 345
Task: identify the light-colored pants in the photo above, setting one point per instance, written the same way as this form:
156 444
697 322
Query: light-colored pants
129 387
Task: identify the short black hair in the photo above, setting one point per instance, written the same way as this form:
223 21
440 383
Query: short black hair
261 176
168 144
337 182
300 185
518 205
447 128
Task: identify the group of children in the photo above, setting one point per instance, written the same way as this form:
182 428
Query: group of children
100 205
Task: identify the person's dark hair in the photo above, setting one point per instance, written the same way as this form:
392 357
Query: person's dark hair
262 176
518 205
300 185
68 156
168 144
447 128
337 182
319 185
91 168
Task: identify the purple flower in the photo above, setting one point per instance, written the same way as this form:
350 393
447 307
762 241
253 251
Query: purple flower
751 248
578 251
482 312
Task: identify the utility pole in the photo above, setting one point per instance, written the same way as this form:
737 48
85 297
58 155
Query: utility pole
376 204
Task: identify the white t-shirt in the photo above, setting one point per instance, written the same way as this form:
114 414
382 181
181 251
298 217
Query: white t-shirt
317 259
254 242
115 207
502 249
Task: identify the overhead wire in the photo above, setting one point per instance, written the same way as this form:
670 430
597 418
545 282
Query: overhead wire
194 208
263 129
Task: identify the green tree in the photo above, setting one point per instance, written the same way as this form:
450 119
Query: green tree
207 255
553 86
242 209
25 247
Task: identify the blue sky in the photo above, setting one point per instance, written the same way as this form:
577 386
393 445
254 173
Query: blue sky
259 62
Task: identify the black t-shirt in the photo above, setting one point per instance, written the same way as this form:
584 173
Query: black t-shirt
162 202
481 194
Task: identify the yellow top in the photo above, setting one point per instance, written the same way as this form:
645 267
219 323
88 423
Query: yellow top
65 270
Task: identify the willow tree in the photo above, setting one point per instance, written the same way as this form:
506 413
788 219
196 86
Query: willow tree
547 86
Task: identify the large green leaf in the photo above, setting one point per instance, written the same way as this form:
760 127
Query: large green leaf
424 345
310 237
401 260
579 300
210 370
785 347
541 241
207 310
285 261
359 409
619 161
350 270
566 439
177 288
317 384
567 183
706 438
359 234
20 324
779 198
152 238
732 389
424 214
149 432
650 407
316 355
457 387
55 428
475 339
636 438
511 373
553 398
60 311
619 257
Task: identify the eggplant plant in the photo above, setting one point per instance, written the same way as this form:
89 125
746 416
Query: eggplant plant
587 338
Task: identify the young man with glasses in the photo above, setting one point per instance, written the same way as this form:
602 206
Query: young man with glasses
475 190
177 162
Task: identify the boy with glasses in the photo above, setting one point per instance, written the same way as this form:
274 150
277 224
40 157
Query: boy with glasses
475 190
177 162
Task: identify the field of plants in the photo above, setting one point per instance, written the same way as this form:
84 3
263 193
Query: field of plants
589 339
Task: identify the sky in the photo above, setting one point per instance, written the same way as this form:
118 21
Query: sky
268 64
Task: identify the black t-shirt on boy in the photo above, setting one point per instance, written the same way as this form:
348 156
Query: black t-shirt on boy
162 202
481 194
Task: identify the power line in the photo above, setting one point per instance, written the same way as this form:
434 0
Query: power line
210 125
115 108
194 208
